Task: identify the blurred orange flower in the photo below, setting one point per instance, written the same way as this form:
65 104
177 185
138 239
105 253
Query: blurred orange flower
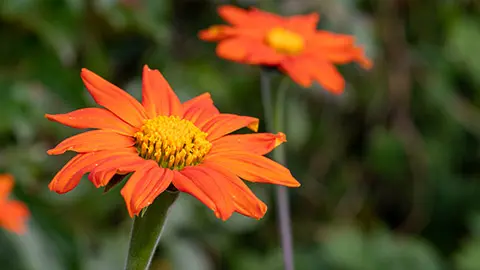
13 214
292 44
164 142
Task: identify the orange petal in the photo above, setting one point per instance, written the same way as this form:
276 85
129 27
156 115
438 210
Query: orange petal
216 33
261 54
342 54
158 97
254 168
203 101
133 186
326 40
326 74
63 180
296 72
6 185
234 49
259 144
146 190
258 17
303 24
91 141
361 58
113 98
200 116
347 56
199 109
222 124
339 56
121 163
184 184
234 15
69 176
93 118
245 202
13 216
211 184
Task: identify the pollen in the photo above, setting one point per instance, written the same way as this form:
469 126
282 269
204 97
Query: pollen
172 142
285 41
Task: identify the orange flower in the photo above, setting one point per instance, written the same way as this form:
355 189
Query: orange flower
292 44
13 214
164 142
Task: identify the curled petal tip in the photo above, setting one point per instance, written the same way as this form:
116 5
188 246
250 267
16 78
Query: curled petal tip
214 33
365 63
254 125
53 187
362 60
206 34
280 138
223 215
51 117
56 151
146 68
84 72
263 209
295 184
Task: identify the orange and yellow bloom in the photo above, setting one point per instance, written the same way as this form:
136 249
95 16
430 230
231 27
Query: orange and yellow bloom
165 142
13 214
292 44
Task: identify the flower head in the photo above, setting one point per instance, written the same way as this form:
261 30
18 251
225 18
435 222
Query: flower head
292 44
13 214
164 142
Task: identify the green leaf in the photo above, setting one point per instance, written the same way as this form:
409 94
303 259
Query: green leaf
462 46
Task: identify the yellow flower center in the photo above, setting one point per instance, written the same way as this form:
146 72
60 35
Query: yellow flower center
172 142
285 41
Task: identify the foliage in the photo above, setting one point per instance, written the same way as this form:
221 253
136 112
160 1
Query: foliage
389 170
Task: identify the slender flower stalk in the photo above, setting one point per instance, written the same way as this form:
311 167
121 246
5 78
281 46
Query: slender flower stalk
146 232
274 121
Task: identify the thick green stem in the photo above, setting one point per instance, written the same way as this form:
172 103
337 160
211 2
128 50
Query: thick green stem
146 232
274 121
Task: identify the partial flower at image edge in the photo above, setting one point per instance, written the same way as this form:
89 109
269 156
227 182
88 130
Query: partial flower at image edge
13 214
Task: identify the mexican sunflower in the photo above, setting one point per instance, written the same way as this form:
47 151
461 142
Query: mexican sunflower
13 214
291 44
164 142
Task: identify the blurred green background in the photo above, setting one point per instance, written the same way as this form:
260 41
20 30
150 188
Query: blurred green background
390 170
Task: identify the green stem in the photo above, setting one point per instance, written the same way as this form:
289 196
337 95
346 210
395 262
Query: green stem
280 105
275 124
146 232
